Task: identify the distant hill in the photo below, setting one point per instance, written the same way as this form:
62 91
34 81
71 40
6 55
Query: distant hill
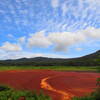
88 60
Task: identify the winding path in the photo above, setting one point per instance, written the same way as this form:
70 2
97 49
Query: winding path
45 85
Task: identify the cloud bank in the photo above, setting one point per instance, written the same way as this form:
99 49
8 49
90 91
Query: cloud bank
7 46
38 40
62 40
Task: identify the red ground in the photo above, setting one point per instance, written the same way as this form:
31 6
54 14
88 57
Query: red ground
59 85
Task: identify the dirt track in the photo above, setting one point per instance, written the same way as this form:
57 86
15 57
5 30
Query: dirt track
59 85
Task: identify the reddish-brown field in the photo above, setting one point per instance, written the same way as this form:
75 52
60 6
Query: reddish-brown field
59 85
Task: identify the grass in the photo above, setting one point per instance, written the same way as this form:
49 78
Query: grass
11 94
59 68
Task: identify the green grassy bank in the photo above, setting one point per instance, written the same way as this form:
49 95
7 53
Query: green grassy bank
7 93
59 68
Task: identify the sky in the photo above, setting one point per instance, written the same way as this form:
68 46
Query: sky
49 28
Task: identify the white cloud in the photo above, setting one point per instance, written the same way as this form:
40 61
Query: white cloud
94 1
22 39
10 36
23 54
38 40
79 49
92 32
65 39
55 3
7 46
62 40
81 9
64 9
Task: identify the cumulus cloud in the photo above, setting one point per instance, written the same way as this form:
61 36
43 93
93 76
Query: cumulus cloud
38 40
65 39
7 46
55 3
62 40
92 32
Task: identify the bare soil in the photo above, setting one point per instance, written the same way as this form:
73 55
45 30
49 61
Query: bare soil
58 85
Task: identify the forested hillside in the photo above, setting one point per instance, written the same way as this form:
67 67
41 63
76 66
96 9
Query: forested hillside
88 60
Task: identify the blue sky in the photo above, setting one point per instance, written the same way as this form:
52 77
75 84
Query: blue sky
50 28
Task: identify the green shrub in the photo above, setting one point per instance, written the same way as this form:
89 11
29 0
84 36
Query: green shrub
83 98
98 69
12 94
96 93
4 88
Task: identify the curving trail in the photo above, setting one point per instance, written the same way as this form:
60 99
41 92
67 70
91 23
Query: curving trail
45 85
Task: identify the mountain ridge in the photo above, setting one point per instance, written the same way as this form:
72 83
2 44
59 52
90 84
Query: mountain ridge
87 60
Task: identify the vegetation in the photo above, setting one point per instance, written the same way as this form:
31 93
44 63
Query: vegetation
11 94
89 60
4 88
59 68
98 69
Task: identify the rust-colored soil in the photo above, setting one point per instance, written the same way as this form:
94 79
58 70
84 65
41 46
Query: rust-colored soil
59 85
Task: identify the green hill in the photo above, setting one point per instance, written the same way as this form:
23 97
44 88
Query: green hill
88 60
